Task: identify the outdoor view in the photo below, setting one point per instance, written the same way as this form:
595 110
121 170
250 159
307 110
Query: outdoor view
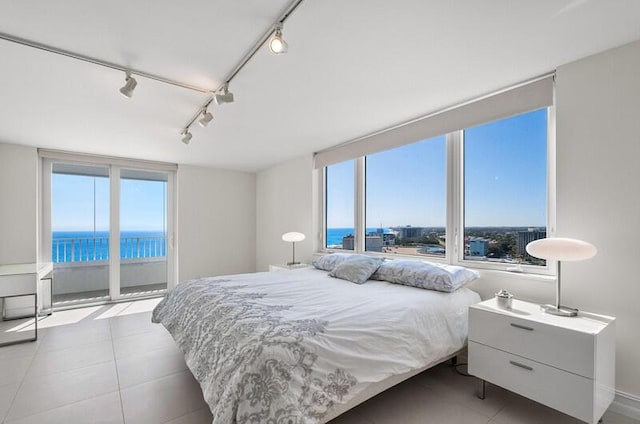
80 221
505 187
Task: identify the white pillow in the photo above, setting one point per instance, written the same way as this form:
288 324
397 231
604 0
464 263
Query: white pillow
357 268
425 275
329 261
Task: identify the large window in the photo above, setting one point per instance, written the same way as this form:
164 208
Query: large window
406 199
476 196
505 188
340 206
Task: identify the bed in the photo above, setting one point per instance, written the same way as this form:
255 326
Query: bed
302 347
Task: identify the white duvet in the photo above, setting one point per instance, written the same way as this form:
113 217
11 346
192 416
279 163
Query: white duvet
288 346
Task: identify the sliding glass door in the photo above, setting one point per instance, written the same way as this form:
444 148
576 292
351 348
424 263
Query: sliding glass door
143 232
80 232
108 228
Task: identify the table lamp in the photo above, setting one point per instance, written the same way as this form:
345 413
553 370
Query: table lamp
293 237
561 249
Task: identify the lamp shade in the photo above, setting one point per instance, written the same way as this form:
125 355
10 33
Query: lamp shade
561 249
293 236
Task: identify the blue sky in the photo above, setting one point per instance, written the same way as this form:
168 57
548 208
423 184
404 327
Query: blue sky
505 179
141 204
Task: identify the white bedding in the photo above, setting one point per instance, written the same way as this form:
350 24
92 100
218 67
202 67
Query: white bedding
372 331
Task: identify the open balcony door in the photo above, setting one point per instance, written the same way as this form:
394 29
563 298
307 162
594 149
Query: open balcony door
109 228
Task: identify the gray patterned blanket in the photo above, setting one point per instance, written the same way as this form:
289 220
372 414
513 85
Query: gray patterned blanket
289 347
254 366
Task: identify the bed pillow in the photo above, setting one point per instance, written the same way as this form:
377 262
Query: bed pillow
425 275
357 268
329 261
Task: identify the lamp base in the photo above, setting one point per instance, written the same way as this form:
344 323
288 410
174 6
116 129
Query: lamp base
293 263
562 311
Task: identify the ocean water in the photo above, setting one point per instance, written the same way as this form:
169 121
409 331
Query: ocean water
335 235
70 246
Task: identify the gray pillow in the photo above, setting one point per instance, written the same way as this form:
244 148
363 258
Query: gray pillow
357 268
425 275
329 261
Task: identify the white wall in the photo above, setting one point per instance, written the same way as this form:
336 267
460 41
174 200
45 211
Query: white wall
598 199
598 192
18 204
216 222
285 201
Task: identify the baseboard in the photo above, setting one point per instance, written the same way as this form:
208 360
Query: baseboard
626 404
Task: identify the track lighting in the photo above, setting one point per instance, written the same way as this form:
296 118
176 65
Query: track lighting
186 136
225 97
277 45
129 86
206 118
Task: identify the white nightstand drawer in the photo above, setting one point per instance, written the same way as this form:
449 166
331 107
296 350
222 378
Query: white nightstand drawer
548 344
561 390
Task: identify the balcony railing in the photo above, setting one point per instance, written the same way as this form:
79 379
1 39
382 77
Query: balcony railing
87 249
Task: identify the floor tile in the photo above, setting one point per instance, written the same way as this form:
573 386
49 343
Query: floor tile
521 410
149 366
614 418
129 325
144 342
42 393
13 370
412 403
104 409
68 336
351 417
462 389
162 400
201 416
7 393
49 362
19 350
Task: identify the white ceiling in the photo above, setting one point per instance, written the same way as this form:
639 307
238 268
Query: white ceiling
353 67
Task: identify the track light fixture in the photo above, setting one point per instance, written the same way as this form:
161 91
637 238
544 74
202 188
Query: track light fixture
277 45
129 86
186 136
225 97
206 118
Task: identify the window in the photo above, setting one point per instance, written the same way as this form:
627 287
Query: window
475 195
340 206
505 188
406 199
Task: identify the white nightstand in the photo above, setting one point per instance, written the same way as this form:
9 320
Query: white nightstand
285 267
565 363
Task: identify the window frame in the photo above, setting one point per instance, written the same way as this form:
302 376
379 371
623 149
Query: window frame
454 206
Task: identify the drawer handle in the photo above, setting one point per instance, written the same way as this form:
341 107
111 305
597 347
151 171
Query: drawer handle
518 364
523 327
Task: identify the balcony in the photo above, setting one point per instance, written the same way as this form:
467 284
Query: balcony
81 268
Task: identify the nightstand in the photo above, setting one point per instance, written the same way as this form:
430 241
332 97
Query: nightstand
565 363
285 267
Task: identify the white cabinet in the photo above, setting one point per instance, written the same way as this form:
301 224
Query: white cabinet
565 363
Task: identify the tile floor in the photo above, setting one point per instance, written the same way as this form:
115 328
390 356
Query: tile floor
110 364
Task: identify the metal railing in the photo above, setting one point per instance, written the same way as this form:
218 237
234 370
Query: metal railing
87 249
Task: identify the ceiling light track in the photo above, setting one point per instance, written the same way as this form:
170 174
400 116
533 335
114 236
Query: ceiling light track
99 62
276 27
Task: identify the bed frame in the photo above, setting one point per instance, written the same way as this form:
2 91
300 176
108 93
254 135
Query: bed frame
381 386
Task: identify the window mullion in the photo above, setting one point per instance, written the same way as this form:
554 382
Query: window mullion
359 210
454 182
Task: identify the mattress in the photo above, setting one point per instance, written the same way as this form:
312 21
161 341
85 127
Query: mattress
298 346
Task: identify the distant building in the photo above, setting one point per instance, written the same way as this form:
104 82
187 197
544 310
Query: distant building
373 243
526 237
410 232
478 246
348 242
